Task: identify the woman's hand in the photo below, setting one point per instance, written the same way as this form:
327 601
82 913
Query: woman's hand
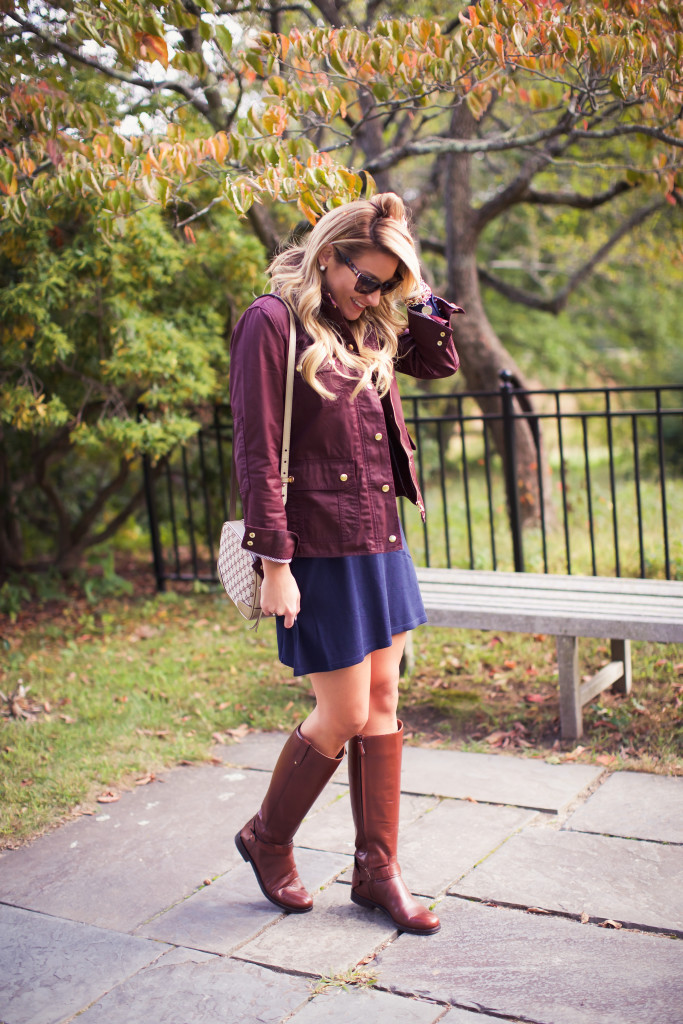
280 592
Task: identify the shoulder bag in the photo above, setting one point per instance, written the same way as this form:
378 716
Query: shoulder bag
239 570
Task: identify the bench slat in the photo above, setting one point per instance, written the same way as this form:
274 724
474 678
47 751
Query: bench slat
505 597
539 581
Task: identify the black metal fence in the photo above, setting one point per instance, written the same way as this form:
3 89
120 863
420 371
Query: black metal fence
602 494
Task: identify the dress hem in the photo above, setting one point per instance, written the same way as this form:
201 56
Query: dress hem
414 623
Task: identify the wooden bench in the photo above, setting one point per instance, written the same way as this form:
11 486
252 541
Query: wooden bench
566 607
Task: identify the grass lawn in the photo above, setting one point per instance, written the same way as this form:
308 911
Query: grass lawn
97 698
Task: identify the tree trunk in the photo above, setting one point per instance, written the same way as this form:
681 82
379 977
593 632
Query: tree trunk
482 355
11 541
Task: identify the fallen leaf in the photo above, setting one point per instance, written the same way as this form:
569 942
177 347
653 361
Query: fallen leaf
573 754
471 800
536 698
610 924
661 662
606 759
536 910
218 737
584 917
239 733
146 779
509 664
496 738
110 796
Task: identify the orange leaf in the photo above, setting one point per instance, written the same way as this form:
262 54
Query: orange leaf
110 796
157 47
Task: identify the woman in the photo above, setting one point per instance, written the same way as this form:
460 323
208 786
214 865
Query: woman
336 570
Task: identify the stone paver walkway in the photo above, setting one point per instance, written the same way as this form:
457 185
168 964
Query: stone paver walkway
560 892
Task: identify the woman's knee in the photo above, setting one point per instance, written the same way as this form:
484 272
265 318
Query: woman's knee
384 694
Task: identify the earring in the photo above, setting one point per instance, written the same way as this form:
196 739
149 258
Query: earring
322 268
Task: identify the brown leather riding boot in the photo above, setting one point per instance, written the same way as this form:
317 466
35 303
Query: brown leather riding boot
375 783
299 777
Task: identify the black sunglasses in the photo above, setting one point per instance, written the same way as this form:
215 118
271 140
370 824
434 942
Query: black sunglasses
365 284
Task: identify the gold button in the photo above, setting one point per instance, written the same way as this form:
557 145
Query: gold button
378 437
350 347
252 534
290 479
439 343
250 543
385 487
426 310
392 538
443 334
343 478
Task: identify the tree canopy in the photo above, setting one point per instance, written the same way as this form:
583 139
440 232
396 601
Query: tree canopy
553 126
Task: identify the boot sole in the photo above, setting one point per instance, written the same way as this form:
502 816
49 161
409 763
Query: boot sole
282 906
361 901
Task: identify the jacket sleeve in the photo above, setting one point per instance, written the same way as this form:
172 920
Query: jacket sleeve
258 369
426 349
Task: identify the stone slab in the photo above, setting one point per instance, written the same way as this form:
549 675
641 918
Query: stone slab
636 883
50 969
332 827
232 910
445 844
495 778
543 969
137 857
332 939
348 1005
260 750
636 806
215 991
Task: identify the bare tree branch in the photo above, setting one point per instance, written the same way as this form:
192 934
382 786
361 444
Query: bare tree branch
574 199
558 302
329 10
82 525
118 520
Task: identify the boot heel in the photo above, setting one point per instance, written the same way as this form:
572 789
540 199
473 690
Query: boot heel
361 901
240 846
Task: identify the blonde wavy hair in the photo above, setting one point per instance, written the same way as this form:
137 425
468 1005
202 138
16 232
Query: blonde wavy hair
359 226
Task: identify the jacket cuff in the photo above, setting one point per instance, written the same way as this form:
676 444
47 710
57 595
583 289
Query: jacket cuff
276 544
436 306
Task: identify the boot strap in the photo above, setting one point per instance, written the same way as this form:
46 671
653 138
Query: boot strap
279 849
379 874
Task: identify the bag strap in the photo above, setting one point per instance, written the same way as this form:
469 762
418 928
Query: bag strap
286 426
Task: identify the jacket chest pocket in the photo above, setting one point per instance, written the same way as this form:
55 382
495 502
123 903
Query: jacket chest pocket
322 500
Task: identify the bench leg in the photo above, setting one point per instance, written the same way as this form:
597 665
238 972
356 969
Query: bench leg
621 651
571 719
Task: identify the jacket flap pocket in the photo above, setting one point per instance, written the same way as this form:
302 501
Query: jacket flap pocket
322 475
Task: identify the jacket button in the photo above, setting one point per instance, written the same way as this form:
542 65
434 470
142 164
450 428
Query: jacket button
378 437
343 478
392 538
443 334
250 543
350 348
385 487
439 343
252 534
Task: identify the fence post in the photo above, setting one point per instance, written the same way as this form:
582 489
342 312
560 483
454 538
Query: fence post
506 394
157 553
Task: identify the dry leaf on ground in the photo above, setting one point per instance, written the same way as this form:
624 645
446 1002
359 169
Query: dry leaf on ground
110 796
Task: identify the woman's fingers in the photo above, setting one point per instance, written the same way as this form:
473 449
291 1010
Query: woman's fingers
280 592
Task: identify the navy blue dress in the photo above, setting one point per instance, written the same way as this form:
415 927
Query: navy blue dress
350 606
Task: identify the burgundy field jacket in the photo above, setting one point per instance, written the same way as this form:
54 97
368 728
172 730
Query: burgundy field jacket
349 460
